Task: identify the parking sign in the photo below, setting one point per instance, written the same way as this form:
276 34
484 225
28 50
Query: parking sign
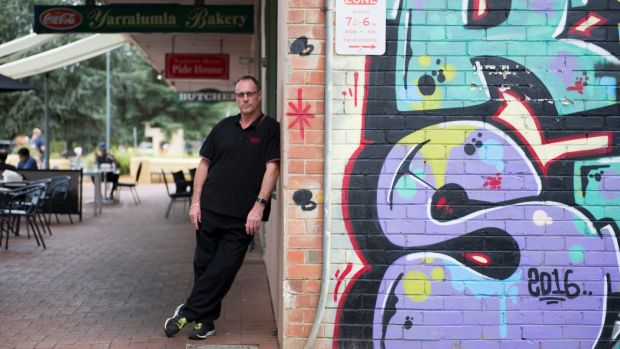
360 27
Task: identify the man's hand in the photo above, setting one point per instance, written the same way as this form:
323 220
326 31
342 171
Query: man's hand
194 215
255 219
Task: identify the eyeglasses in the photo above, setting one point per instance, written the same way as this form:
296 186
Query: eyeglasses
249 94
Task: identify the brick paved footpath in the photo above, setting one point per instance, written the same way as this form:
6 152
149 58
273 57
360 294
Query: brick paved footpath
111 280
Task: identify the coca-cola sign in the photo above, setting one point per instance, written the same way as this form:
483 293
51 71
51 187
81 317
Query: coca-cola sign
60 18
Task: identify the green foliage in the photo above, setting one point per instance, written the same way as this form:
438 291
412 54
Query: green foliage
77 93
56 148
123 155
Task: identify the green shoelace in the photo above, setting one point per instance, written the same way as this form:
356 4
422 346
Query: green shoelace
181 322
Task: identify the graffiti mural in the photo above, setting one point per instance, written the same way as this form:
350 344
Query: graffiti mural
484 197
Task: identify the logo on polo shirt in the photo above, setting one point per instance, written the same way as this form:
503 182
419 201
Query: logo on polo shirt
255 139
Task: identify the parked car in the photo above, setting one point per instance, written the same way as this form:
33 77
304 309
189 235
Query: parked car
7 146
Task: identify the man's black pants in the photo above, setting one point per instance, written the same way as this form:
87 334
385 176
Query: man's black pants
221 244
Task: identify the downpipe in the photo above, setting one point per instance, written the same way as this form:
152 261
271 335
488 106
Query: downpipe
327 151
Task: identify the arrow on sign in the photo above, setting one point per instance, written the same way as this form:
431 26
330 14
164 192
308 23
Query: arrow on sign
358 46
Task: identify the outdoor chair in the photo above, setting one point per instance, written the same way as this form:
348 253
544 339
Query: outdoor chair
41 202
57 198
5 204
24 202
131 186
179 181
176 196
192 175
40 214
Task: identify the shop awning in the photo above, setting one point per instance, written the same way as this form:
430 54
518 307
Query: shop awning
9 85
74 52
25 43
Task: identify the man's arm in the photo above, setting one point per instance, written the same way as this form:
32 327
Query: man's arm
42 148
32 164
268 184
114 160
199 180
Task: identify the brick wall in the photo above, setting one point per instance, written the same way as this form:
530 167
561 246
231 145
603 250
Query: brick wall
475 181
304 71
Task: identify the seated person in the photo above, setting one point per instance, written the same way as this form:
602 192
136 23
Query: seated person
106 158
26 162
3 164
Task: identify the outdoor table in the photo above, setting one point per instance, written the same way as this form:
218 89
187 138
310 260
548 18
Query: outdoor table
96 174
100 176
105 170
10 185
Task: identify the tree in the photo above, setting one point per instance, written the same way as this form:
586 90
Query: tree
77 92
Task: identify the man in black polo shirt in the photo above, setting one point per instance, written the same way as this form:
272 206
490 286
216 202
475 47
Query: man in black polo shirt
238 169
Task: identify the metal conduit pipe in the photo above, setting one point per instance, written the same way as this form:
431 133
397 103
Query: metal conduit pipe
327 151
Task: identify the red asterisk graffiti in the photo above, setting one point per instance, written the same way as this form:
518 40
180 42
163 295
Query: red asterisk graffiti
300 113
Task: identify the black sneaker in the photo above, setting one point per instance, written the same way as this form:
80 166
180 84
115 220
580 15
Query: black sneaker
202 330
175 323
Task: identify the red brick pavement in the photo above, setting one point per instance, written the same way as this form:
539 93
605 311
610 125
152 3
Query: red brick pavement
111 281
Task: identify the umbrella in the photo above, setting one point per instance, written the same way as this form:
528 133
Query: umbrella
9 85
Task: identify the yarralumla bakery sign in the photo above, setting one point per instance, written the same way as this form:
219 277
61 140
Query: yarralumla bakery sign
144 18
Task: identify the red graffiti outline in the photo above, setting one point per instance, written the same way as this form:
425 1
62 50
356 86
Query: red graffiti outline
588 31
356 76
346 271
477 7
479 258
347 216
524 141
353 92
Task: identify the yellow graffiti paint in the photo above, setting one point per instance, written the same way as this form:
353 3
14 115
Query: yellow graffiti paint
424 61
415 106
433 101
442 142
425 105
437 274
449 71
416 286
428 260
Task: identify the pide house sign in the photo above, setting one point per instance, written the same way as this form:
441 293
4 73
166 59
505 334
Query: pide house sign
197 66
151 18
